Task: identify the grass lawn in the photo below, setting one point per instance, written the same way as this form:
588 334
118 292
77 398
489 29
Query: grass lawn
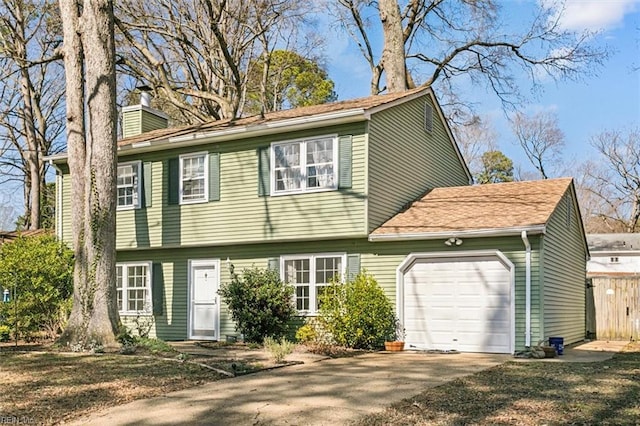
49 387
530 393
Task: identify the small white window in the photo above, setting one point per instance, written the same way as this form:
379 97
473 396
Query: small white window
614 259
194 173
304 165
133 288
128 186
310 274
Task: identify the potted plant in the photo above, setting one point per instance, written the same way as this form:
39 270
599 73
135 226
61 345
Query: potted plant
395 339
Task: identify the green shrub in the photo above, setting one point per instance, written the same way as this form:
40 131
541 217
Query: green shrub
357 314
314 332
5 333
278 349
260 304
38 271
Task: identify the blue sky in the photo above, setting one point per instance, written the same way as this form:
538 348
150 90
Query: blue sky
610 99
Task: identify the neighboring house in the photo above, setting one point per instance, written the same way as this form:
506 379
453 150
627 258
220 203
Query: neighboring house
9 236
326 191
613 300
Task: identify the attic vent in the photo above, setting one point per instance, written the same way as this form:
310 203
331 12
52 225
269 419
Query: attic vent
428 117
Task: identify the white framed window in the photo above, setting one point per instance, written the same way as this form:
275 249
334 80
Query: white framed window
614 259
133 288
128 186
304 165
194 173
310 274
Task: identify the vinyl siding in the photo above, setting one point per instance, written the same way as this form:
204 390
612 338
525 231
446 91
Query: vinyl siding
139 121
379 259
241 216
564 260
404 160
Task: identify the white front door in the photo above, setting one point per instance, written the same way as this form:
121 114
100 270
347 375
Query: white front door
204 311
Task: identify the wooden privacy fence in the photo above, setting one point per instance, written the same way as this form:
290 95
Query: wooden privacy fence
613 308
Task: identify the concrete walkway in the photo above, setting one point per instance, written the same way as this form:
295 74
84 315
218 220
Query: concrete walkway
327 392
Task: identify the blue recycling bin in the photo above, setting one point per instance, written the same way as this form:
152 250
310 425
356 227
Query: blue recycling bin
558 343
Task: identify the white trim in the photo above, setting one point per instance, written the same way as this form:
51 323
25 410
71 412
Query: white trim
500 232
125 288
312 271
316 121
527 291
58 212
137 187
412 257
206 177
302 142
139 107
195 263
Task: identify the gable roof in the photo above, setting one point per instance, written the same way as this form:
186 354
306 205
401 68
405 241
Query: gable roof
613 242
9 236
479 210
354 107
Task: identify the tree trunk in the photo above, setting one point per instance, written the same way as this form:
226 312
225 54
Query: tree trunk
393 55
89 58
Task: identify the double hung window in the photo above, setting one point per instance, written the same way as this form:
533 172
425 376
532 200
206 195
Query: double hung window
304 165
133 288
310 274
128 186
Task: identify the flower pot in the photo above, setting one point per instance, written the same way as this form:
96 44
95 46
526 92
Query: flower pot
394 346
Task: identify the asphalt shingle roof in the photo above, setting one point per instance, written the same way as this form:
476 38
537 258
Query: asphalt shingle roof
479 207
366 103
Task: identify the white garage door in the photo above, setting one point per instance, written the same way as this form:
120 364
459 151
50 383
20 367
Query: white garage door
462 304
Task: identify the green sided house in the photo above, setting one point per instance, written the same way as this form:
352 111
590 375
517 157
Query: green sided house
320 192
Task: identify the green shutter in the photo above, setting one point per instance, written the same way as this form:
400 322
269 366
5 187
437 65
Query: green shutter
214 176
174 185
274 264
157 288
147 188
353 265
264 186
344 161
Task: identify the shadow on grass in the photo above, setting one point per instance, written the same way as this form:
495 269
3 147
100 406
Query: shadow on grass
529 393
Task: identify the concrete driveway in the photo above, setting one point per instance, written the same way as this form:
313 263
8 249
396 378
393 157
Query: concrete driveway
330 392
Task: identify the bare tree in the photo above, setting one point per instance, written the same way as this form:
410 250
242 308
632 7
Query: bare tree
541 140
610 187
31 97
475 137
196 54
444 40
89 58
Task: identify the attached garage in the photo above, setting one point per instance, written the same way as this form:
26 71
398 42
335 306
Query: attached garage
487 268
464 302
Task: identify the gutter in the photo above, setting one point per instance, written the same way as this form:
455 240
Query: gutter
501 232
527 309
248 131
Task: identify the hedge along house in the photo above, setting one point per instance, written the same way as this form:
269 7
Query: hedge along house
311 192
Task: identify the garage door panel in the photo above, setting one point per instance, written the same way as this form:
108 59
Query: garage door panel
462 304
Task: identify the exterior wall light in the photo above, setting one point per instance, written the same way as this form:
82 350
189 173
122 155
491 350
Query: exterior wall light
453 241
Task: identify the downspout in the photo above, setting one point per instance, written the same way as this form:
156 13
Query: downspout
527 291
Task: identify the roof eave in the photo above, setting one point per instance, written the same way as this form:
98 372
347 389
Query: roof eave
248 131
474 233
